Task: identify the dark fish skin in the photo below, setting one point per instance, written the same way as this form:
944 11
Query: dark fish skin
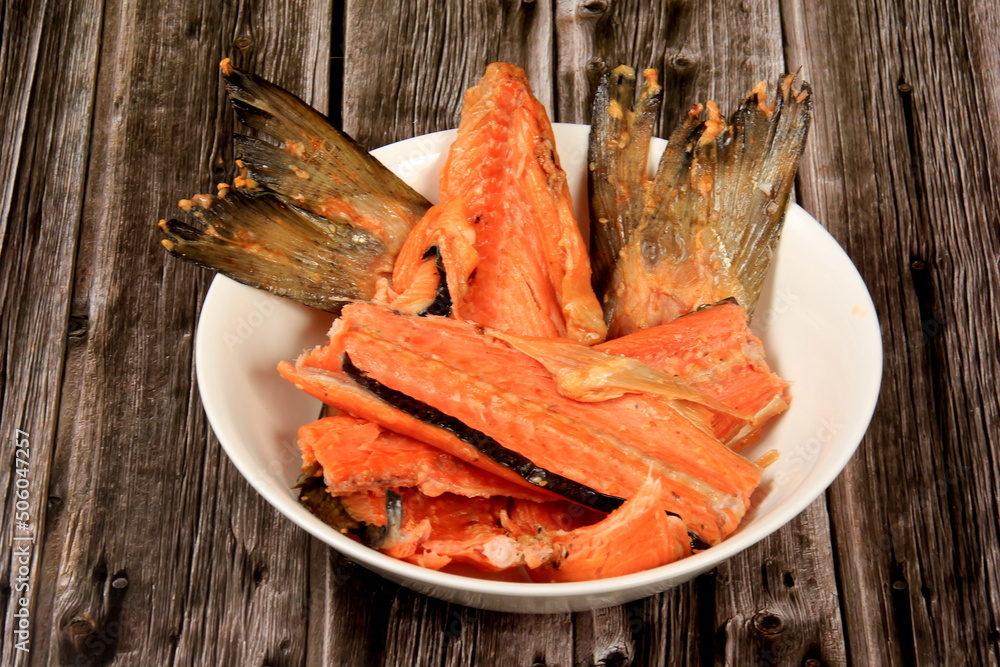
315 218
387 536
314 496
567 488
442 305
711 216
265 243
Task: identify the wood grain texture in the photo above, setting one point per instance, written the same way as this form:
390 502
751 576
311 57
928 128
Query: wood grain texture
906 179
702 50
46 133
152 549
148 502
777 603
406 69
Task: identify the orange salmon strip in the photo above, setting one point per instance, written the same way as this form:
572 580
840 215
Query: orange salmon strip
318 374
510 397
714 350
513 253
637 536
358 455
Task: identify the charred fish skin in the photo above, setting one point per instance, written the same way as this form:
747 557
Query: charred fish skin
567 488
315 219
442 304
384 537
711 216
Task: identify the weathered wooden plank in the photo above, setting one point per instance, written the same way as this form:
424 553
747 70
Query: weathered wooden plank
406 69
349 616
674 628
903 169
520 639
578 62
138 567
604 637
160 551
48 78
790 614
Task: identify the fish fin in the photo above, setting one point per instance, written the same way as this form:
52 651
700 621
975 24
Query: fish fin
758 160
331 174
265 243
619 144
712 215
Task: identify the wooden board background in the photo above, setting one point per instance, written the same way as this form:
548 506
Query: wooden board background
151 549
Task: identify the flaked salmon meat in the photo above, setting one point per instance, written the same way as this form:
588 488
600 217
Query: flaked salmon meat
513 256
356 456
714 350
554 540
488 386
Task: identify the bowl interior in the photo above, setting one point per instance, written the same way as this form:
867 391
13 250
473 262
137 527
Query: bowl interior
815 317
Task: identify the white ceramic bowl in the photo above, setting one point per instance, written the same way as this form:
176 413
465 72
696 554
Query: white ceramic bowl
815 316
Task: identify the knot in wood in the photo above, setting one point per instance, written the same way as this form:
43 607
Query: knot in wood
243 42
767 623
592 8
682 62
77 327
79 626
596 64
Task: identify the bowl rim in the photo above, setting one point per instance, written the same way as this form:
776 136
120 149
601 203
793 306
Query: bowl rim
820 478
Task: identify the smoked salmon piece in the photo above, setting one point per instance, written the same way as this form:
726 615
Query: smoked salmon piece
638 536
319 374
357 455
714 350
493 389
513 255
436 531
552 540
